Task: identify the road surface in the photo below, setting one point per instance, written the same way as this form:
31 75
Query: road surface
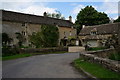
42 66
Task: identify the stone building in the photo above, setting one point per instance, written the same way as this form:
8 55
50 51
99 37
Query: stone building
96 36
27 24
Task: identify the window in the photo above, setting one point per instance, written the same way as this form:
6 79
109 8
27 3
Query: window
93 33
64 33
70 33
23 24
23 33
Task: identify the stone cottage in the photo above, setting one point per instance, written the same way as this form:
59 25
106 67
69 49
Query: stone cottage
27 24
95 36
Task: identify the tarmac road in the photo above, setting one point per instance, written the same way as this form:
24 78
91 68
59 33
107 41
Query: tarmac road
42 66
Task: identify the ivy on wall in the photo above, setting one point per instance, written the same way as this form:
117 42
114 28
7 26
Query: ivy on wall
47 37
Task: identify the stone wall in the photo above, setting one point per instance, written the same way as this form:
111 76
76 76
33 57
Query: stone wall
102 53
107 63
11 28
42 50
76 49
18 27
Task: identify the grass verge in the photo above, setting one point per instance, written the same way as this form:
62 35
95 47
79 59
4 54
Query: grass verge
27 55
96 70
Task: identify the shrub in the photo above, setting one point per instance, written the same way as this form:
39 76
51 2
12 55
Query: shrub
8 51
96 48
115 56
48 37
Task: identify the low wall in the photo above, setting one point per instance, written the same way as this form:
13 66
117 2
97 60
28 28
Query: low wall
107 63
102 53
42 50
76 49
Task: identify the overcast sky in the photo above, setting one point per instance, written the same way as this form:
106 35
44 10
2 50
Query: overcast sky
66 7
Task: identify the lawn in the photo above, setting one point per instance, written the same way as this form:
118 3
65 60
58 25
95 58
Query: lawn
16 56
96 70
27 55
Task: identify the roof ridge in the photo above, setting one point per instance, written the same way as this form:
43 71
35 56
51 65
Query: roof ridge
102 25
34 15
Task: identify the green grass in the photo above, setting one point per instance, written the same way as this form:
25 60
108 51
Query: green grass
95 69
27 55
16 56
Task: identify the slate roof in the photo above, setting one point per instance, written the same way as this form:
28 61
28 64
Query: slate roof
30 18
101 29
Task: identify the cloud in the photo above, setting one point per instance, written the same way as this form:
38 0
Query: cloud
39 10
77 9
28 7
109 7
59 0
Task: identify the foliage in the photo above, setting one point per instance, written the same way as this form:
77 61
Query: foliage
117 20
95 69
8 51
48 37
115 56
96 48
5 39
113 41
89 17
21 38
57 15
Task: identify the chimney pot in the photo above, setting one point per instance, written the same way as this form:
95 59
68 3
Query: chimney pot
83 26
70 18
45 14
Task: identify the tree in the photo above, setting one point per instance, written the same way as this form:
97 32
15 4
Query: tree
20 37
117 20
57 15
5 39
48 37
89 17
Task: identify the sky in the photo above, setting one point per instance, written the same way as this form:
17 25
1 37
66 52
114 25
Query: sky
66 7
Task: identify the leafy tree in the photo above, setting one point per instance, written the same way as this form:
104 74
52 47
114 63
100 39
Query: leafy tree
89 17
117 20
57 15
113 41
5 39
48 37
21 38
36 39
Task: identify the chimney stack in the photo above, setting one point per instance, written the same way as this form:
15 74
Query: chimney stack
83 26
70 18
45 14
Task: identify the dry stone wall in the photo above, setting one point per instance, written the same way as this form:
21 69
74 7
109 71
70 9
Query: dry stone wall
43 50
105 62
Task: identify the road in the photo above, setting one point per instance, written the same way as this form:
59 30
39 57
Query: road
42 66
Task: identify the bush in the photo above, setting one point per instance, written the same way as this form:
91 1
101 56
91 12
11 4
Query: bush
8 51
115 56
47 37
96 48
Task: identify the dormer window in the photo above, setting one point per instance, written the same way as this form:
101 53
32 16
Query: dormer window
93 31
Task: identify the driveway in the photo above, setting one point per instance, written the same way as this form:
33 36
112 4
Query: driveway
42 66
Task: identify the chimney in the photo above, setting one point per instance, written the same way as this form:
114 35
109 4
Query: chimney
83 26
45 14
70 18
